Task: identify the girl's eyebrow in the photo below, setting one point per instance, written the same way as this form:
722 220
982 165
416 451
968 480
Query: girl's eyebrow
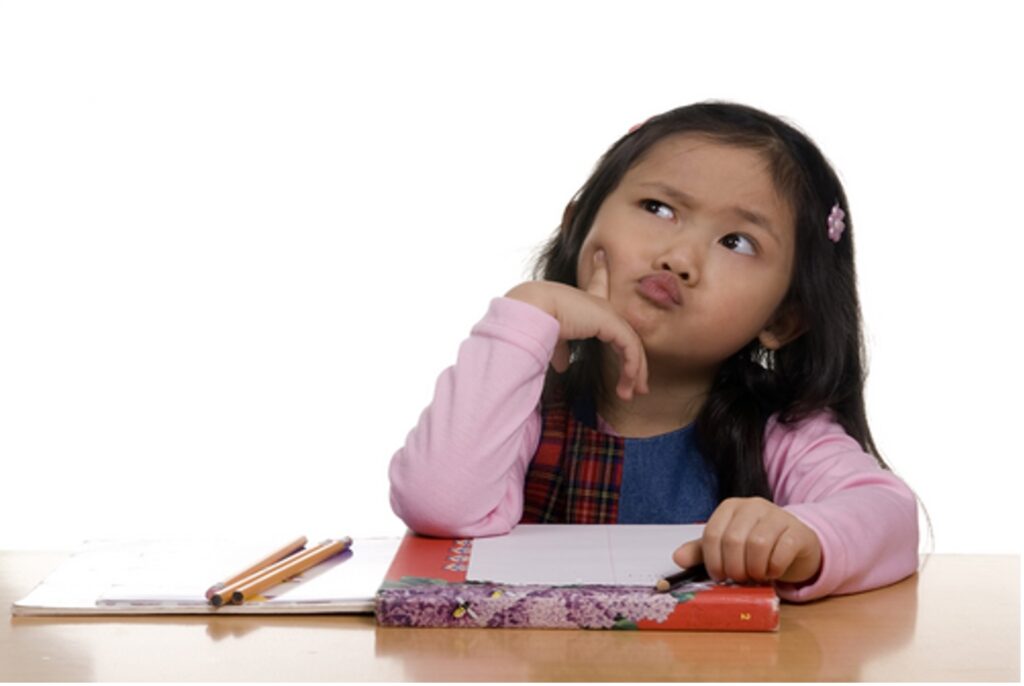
689 201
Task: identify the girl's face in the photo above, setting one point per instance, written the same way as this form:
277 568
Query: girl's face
699 248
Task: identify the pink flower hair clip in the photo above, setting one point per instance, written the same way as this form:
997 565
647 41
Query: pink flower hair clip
635 127
836 225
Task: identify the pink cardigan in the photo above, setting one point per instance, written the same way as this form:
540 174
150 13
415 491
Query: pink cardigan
462 469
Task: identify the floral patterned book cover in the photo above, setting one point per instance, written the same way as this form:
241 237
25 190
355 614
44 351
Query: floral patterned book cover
426 586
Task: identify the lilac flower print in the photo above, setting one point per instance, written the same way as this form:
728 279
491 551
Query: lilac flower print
590 607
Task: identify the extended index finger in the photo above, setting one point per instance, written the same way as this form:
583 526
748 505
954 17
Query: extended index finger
598 285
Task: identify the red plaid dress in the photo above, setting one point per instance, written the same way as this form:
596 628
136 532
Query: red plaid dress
576 475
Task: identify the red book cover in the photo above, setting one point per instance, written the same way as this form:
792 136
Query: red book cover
426 586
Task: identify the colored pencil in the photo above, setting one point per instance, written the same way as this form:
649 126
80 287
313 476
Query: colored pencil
287 568
229 594
694 573
279 554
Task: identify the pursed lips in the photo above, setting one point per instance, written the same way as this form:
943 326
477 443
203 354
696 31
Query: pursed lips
662 289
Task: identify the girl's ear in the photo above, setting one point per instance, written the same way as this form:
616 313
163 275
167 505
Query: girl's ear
785 327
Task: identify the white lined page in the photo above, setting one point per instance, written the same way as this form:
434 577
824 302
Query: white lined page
570 554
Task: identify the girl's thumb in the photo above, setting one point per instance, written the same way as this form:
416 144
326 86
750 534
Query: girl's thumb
688 554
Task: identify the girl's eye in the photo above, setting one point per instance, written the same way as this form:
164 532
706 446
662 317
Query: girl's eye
739 243
658 208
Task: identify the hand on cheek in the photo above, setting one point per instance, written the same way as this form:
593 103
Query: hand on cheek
584 313
633 376
752 539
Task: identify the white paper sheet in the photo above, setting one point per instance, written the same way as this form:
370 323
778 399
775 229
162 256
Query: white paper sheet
570 554
171 577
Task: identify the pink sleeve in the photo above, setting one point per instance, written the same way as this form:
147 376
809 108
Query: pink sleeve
865 516
462 470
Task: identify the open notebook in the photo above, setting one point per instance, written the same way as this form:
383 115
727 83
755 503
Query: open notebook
171 577
589 576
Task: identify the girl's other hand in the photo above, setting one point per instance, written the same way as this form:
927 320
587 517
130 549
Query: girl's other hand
583 314
752 539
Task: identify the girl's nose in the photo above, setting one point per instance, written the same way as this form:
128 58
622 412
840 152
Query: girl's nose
683 261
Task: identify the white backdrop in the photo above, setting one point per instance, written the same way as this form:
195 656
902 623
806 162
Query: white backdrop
239 241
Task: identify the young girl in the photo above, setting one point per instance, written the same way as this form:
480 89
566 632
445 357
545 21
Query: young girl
692 354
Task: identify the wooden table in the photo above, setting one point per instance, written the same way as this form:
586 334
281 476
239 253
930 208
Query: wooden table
957 620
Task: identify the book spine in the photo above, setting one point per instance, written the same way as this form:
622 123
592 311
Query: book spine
722 611
583 607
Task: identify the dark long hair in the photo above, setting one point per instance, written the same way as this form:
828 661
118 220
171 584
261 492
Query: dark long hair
822 369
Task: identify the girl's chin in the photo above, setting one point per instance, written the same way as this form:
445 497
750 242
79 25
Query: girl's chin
644 320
